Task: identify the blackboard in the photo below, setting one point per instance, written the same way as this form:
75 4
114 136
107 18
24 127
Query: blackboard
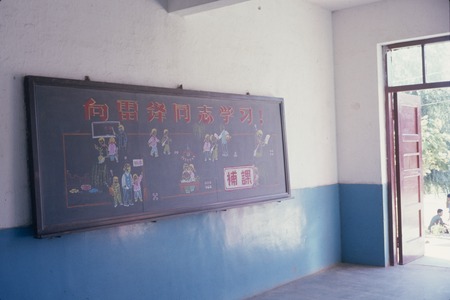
103 154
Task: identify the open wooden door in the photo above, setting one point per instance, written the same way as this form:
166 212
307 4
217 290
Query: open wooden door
408 157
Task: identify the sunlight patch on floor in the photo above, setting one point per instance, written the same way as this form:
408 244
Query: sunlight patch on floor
437 248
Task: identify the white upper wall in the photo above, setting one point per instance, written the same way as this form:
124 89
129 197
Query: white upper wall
290 58
264 47
359 104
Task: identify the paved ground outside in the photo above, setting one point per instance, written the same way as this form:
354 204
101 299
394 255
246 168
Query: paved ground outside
437 247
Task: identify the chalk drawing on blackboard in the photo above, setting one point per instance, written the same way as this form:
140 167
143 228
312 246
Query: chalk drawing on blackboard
207 148
188 155
122 141
127 185
225 138
113 150
104 129
189 180
153 142
165 142
114 191
214 147
137 191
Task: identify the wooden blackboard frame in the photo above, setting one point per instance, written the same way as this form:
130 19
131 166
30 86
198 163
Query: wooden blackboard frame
103 154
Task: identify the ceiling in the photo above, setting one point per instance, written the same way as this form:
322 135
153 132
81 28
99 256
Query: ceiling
340 4
186 7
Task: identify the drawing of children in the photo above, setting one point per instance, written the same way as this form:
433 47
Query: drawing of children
259 144
207 147
214 148
224 137
113 150
127 185
153 143
191 171
137 187
114 191
122 141
102 149
165 142
187 177
99 174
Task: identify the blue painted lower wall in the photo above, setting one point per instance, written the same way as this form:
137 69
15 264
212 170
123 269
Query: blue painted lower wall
229 254
364 227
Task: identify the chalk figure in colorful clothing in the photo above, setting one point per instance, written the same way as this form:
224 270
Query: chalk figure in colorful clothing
153 143
225 138
261 142
122 141
102 149
262 170
137 187
127 185
188 179
207 147
214 147
113 150
165 142
99 173
114 191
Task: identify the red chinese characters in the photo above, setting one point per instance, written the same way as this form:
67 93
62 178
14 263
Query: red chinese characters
247 177
128 110
205 115
242 177
246 115
182 112
156 111
226 112
91 110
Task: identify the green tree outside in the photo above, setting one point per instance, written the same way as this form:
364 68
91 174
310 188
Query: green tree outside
436 139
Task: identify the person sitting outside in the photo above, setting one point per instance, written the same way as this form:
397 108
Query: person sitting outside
448 206
437 226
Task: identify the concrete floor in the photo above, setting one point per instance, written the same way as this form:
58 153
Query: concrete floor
410 282
425 278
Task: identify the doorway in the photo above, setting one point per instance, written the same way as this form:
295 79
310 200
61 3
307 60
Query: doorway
435 111
422 158
415 70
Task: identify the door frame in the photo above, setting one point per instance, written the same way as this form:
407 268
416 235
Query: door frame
391 119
